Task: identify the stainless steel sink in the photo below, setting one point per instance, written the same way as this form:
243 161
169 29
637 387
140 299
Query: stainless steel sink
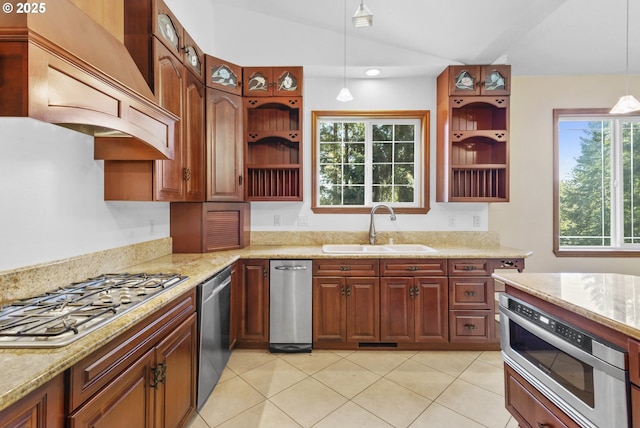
376 249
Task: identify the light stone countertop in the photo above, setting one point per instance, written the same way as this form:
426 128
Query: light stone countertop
609 299
24 370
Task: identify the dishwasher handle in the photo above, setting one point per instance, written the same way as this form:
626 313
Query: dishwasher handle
291 267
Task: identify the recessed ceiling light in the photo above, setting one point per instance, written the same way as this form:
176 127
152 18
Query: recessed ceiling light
372 72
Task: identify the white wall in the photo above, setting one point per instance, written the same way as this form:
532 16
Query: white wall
527 221
52 201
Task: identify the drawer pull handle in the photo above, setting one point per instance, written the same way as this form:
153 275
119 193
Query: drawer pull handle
470 293
470 326
541 425
345 268
413 268
468 267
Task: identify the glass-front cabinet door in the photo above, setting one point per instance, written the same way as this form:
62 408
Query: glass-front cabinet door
470 80
223 75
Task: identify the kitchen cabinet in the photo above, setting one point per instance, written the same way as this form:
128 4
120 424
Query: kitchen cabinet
413 301
529 407
146 377
346 301
211 226
42 408
157 47
472 134
224 146
272 81
253 330
471 301
223 75
273 147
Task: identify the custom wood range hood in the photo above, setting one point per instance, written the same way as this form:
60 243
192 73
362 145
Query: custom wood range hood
61 67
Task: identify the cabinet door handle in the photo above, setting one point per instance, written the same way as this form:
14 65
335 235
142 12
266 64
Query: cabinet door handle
411 294
186 174
159 375
240 180
264 273
416 291
348 291
469 293
342 291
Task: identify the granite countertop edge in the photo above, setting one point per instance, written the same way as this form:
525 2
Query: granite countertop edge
26 369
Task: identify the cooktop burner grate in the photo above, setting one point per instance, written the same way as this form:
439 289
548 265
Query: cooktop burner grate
59 317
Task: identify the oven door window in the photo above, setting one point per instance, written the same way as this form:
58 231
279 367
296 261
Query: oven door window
571 373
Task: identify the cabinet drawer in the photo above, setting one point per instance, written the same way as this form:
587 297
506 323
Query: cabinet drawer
529 407
470 267
471 293
345 267
470 326
413 267
92 373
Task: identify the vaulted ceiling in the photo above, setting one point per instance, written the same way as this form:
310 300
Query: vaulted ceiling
422 37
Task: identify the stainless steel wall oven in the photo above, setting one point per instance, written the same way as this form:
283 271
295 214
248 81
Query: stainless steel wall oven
583 375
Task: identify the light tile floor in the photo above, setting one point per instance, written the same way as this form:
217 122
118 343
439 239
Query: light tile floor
438 389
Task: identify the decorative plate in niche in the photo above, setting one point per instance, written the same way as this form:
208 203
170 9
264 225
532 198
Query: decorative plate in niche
258 82
222 75
494 81
287 82
465 81
168 30
193 59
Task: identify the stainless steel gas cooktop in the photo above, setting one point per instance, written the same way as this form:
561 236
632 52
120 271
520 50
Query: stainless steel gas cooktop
60 317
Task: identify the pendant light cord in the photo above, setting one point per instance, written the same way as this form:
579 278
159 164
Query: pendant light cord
345 41
627 52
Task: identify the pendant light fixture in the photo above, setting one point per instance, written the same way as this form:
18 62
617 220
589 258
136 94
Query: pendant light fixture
345 93
627 103
363 16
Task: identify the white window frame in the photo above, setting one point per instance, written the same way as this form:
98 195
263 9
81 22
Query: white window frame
617 246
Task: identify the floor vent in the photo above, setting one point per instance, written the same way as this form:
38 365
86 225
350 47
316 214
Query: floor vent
377 345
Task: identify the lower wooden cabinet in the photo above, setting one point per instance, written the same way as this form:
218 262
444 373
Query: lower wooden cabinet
413 309
42 408
144 378
529 407
253 290
346 309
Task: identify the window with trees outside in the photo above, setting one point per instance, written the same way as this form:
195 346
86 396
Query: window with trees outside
361 159
597 183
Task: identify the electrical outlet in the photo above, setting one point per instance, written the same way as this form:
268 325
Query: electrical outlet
452 221
277 220
476 221
303 221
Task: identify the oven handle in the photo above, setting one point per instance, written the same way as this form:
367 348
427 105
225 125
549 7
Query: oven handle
609 366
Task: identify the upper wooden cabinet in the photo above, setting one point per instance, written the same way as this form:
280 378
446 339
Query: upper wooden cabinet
472 80
473 134
194 58
272 81
156 45
223 75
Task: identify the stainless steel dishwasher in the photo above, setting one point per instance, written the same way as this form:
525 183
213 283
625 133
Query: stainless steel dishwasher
214 301
290 306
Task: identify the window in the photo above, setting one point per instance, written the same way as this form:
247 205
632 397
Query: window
361 159
597 183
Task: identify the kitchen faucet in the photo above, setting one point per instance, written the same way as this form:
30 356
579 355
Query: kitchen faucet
372 226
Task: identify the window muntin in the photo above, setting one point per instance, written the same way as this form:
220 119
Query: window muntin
597 186
362 159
